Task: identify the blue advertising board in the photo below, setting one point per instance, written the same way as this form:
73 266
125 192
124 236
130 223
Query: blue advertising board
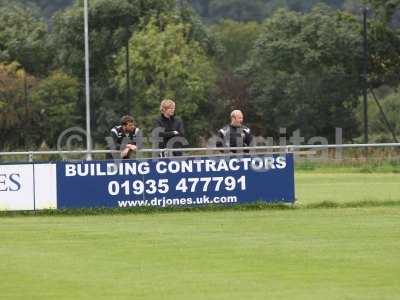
175 182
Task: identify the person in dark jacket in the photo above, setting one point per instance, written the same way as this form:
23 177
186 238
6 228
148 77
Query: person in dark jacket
235 134
168 129
124 137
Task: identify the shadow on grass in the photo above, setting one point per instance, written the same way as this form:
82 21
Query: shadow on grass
209 208
354 204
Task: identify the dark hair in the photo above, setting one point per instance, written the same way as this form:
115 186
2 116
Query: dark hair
126 119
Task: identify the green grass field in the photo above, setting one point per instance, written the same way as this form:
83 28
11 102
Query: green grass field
312 187
302 253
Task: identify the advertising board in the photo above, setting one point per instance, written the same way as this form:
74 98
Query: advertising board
175 182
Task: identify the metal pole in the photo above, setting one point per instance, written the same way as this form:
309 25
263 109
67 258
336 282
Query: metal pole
27 144
289 148
365 75
128 85
384 117
87 83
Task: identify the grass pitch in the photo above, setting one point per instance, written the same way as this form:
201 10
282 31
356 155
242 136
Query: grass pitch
314 187
303 253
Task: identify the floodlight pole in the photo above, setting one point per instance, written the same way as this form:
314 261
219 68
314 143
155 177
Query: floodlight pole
365 73
128 84
87 83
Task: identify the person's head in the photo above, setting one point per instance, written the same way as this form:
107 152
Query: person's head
236 118
167 108
128 124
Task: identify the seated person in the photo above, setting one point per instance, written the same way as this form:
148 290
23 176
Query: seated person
124 138
235 134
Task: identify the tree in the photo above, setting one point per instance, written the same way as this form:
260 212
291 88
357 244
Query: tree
34 111
57 96
167 64
198 31
305 72
23 39
202 7
385 9
111 24
305 6
237 39
384 43
254 10
237 10
17 108
50 7
43 7
378 128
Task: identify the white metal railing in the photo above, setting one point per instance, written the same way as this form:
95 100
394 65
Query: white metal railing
273 149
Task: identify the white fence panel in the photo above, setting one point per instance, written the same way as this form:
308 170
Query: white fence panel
45 186
16 187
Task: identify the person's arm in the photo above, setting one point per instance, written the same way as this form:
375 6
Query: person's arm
138 139
162 133
116 143
128 148
111 144
180 129
169 134
220 139
248 138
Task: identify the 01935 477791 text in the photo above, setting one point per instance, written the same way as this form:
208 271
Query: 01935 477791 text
185 185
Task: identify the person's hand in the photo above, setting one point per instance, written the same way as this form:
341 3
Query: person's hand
128 148
125 152
131 147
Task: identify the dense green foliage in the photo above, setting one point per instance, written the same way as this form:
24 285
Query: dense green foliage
57 97
305 72
253 10
168 65
389 102
237 39
23 38
17 112
45 8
